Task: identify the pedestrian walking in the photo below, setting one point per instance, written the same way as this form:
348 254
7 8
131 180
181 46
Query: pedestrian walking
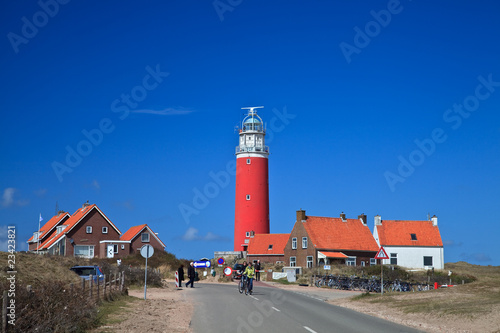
180 275
191 275
257 270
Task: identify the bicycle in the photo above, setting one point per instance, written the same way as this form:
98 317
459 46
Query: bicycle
242 285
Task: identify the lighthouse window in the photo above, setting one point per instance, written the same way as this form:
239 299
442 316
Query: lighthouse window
248 196
248 161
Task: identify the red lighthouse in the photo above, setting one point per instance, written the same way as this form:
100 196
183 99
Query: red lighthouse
252 185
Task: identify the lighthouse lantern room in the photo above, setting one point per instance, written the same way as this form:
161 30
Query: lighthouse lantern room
252 184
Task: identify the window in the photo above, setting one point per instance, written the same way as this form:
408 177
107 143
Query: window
309 261
248 196
247 234
427 261
363 264
145 237
115 248
350 261
270 247
104 230
249 161
294 243
394 258
86 251
304 242
413 236
293 261
373 261
89 229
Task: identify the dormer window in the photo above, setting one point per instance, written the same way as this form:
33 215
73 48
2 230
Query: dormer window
413 237
270 247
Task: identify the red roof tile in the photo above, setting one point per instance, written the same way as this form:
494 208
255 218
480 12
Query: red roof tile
333 233
399 233
259 244
72 221
53 222
333 254
131 233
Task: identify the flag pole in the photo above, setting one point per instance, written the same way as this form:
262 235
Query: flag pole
38 233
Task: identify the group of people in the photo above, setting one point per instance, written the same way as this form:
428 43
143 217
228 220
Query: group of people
191 275
249 271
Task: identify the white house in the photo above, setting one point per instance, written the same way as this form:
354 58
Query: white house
410 244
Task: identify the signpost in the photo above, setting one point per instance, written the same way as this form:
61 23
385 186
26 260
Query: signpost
220 261
381 254
203 263
146 251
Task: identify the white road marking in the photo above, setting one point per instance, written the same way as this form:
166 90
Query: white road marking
310 330
255 298
276 309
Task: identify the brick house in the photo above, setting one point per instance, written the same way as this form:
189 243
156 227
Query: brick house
138 236
316 241
81 233
268 248
410 244
47 230
89 233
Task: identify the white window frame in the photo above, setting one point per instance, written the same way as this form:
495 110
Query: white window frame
104 230
115 248
248 197
294 243
309 261
304 242
350 261
395 257
293 263
89 251
249 161
247 234
88 229
373 261
432 261
142 237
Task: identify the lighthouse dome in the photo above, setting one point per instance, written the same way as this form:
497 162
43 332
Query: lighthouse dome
252 123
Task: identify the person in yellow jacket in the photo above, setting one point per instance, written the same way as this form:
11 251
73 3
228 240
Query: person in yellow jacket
250 274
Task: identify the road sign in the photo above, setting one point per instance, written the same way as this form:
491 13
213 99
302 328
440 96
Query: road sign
381 254
197 264
220 261
228 271
326 267
147 251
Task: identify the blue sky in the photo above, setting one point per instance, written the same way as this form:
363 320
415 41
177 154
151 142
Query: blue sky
375 107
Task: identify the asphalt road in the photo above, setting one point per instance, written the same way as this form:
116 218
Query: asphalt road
221 308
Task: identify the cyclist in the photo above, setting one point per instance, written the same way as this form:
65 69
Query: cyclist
250 274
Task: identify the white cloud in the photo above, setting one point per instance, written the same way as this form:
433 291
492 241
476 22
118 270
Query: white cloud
40 192
8 199
95 184
192 235
165 112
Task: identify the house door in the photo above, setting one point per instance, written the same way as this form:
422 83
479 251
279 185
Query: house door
110 251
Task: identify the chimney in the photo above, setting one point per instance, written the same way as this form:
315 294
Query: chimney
342 216
86 204
362 218
301 215
434 221
378 220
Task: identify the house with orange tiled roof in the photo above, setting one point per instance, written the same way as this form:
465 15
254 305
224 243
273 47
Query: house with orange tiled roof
316 241
268 248
47 230
410 244
140 235
90 233
80 234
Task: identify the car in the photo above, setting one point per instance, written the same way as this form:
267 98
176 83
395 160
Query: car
237 270
86 271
